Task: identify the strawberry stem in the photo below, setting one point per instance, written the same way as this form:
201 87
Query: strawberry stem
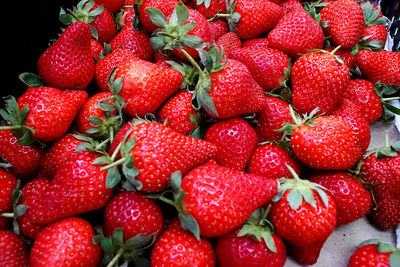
335 50
7 215
115 259
194 63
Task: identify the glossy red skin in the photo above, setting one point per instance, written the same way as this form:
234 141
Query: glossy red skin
270 161
78 186
177 247
267 65
318 80
25 160
112 6
377 33
369 256
13 250
256 17
256 42
176 113
51 111
348 58
362 93
218 27
105 65
90 110
165 6
68 63
134 213
221 199
105 25
146 85
235 140
160 151
234 251
330 145
7 185
137 42
305 229
67 242
381 66
385 212
270 120
291 5
209 12
346 22
295 34
96 48
228 42
235 92
352 199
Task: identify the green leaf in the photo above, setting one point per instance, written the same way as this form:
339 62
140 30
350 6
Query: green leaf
139 241
101 160
385 153
394 259
20 210
309 198
107 245
189 223
94 120
157 42
176 181
396 146
369 242
205 100
269 241
383 247
113 177
192 41
157 17
295 199
180 15
322 194
118 235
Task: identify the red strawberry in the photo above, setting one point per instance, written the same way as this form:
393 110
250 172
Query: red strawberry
295 34
228 42
127 15
165 6
67 242
13 250
271 119
177 247
381 66
218 27
352 199
235 140
112 6
269 67
346 22
374 253
96 48
78 186
209 8
304 216
291 5
318 81
256 42
179 114
376 33
58 153
270 161
68 63
160 151
7 184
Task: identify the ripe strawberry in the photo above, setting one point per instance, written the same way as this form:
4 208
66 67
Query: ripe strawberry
218 27
78 186
318 81
13 250
136 41
127 15
67 242
236 141
68 63
209 8
97 49
25 160
346 22
134 213
271 119
270 161
256 42
376 32
7 185
295 34
146 85
112 6
177 247
179 114
165 6
105 65
269 67
228 42
362 93
374 253
291 5
352 199
381 66
160 151
304 216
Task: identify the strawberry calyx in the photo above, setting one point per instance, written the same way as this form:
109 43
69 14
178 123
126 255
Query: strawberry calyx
337 58
386 94
364 44
385 151
371 14
394 258
231 16
300 190
314 10
132 250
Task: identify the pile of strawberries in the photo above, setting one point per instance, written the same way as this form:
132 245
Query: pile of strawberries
201 133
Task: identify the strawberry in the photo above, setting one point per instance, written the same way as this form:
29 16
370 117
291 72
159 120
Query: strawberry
136 41
179 114
218 27
13 250
235 140
105 65
7 185
165 6
376 32
97 49
318 81
295 34
228 42
177 247
271 119
304 215
134 213
112 6
381 66
269 67
374 253
169 151
209 8
67 242
291 5
255 244
352 199
146 85
348 58
78 186
256 42
270 161
68 63
346 22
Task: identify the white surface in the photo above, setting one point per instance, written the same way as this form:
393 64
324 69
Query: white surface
345 238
